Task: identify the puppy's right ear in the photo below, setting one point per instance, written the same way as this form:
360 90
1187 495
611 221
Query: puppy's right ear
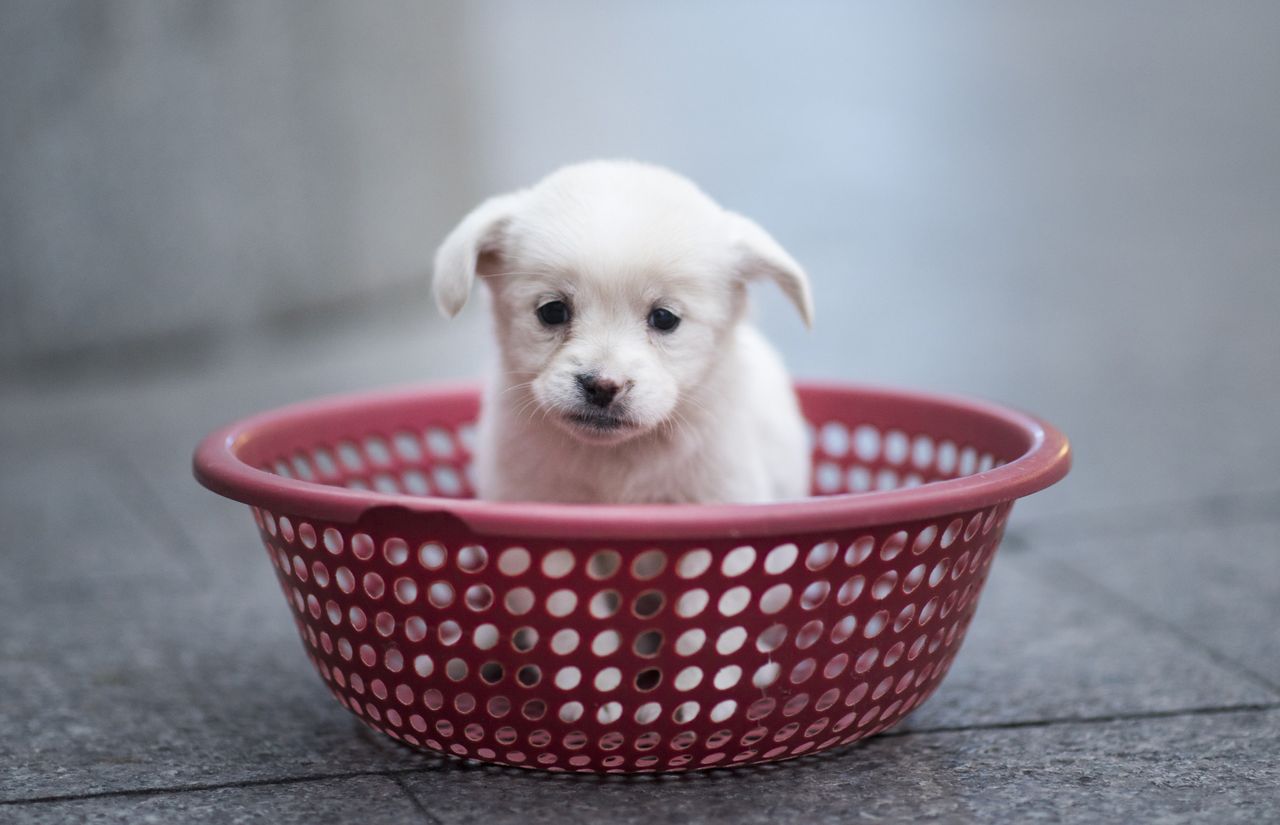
456 259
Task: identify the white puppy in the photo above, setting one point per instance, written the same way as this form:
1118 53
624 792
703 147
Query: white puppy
628 372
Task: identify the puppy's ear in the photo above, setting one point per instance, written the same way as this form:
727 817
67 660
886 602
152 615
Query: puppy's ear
456 259
762 257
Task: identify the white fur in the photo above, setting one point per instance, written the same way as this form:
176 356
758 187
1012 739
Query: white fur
706 412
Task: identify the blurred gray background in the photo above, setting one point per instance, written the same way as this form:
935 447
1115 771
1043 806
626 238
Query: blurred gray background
207 209
1070 207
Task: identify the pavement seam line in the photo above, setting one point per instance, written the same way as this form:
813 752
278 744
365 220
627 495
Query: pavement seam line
1137 716
136 494
417 803
398 772
1155 622
196 788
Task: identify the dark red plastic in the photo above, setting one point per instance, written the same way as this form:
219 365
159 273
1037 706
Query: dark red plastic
631 638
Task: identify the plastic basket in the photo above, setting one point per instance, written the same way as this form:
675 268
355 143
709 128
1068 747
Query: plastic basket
605 638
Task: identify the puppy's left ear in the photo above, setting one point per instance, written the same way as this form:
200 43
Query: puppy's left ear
762 257
457 258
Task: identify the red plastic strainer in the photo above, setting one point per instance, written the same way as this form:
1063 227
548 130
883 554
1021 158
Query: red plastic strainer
631 638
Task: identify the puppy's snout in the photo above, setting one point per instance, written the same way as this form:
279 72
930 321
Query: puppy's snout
598 392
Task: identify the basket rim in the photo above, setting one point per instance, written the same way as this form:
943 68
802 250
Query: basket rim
217 467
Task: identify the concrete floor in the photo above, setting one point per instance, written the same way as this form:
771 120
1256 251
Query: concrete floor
1123 664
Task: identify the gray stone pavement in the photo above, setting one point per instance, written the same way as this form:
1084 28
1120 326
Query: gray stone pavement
1122 664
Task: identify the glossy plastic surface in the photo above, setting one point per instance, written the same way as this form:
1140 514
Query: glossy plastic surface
631 638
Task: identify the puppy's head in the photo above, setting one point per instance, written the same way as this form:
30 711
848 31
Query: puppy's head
616 287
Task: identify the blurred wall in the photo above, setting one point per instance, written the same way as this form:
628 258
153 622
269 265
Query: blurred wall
995 197
185 167
988 195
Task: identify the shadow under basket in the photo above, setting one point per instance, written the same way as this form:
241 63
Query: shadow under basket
642 638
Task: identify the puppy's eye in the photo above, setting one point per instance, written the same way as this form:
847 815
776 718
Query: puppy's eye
554 313
663 320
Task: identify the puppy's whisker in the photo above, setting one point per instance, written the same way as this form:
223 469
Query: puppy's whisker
674 422
527 404
526 412
695 434
514 387
695 402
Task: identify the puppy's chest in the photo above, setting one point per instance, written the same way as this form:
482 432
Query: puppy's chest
655 473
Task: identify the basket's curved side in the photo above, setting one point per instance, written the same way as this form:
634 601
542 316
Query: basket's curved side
637 655
644 638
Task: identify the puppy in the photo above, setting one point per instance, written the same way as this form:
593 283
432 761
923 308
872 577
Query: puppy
629 373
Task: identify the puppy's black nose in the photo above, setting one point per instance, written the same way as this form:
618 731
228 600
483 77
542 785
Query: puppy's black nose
598 391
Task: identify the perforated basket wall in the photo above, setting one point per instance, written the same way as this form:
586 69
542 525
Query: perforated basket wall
623 639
